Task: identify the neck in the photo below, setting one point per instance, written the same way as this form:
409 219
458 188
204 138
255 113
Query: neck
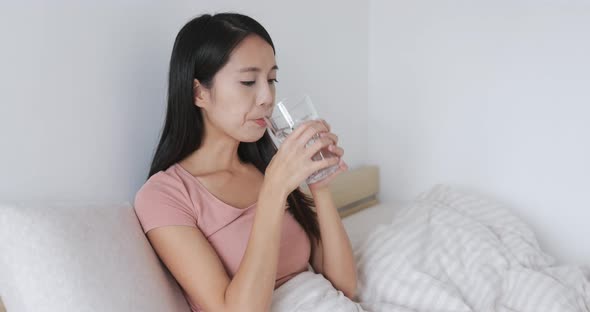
218 152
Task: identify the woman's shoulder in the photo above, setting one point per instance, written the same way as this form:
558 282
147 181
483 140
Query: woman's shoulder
163 182
165 188
163 197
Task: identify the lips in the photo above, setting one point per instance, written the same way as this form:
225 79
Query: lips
261 122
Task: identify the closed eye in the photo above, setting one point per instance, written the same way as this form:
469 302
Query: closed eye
250 83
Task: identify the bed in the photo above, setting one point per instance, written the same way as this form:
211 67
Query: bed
446 250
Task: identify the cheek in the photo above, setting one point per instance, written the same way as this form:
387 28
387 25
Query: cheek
232 106
231 115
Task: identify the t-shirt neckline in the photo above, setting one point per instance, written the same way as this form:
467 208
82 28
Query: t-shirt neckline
181 168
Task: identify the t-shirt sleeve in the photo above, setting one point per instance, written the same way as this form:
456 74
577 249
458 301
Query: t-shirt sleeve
161 203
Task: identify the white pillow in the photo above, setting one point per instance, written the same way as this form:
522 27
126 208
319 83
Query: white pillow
81 257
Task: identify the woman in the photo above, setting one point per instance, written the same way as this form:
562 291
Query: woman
221 206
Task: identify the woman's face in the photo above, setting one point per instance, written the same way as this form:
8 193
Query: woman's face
243 91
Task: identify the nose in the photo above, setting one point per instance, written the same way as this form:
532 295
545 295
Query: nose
266 95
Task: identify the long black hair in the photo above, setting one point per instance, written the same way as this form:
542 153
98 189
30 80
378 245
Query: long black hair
202 47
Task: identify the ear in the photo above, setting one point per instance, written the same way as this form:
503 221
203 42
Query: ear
200 94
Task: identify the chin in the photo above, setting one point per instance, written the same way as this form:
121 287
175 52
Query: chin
252 138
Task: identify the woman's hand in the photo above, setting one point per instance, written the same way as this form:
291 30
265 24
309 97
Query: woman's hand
336 150
293 163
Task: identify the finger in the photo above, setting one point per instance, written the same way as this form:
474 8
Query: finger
336 150
317 146
343 165
325 163
311 132
301 128
330 135
326 124
338 171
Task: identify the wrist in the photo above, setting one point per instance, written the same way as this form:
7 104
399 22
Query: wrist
274 190
321 191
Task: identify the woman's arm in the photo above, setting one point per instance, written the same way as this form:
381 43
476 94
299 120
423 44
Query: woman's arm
333 256
197 268
255 280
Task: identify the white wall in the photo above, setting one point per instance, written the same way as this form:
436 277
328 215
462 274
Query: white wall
490 96
83 85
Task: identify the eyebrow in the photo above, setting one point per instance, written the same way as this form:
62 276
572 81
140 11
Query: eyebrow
256 69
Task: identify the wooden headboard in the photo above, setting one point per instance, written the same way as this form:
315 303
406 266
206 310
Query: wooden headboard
354 190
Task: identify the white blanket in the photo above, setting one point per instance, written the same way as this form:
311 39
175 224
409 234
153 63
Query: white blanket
450 251
309 291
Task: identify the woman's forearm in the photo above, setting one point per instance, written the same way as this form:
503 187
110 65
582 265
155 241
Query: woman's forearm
253 284
338 260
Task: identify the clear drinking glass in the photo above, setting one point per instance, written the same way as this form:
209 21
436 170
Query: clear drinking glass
287 115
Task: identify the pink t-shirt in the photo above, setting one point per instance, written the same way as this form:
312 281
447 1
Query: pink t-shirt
175 197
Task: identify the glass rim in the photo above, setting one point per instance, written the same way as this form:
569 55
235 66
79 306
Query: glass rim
300 99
